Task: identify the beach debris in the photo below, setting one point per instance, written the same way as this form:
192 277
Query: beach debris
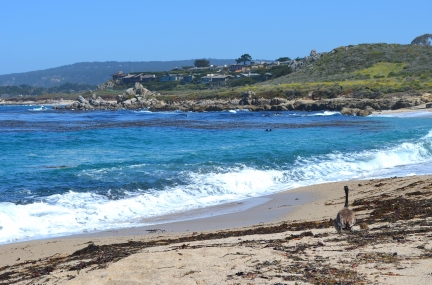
156 231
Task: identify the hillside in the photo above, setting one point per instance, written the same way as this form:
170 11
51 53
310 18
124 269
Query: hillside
371 69
93 73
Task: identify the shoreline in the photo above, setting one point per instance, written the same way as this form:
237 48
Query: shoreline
251 212
140 100
156 254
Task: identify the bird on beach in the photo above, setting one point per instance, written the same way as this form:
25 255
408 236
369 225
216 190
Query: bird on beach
345 219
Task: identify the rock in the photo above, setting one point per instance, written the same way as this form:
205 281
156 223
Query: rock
130 92
127 103
247 98
426 97
214 108
82 100
278 101
356 111
402 103
120 98
140 90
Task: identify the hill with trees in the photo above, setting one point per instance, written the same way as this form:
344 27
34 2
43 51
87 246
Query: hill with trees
93 73
367 70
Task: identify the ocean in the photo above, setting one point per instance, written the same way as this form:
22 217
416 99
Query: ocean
64 173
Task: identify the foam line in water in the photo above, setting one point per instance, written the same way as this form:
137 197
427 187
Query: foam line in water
41 108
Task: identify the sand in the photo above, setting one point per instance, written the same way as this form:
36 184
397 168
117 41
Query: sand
281 239
421 107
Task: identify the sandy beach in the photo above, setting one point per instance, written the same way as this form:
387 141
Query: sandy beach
288 238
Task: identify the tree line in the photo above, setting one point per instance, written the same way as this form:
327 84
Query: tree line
25 89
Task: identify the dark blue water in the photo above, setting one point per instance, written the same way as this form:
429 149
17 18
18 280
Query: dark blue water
68 172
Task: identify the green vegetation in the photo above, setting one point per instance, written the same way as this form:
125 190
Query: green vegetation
24 89
365 70
283 59
423 40
244 58
202 63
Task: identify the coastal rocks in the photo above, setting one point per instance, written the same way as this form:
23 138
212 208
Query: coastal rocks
130 92
106 85
356 111
278 101
82 100
260 101
247 98
426 97
298 64
139 97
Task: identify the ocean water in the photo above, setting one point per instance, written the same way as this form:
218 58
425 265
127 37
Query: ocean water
64 173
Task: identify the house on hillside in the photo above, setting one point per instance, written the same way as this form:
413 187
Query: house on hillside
140 77
197 69
217 68
249 74
215 78
171 77
188 78
118 75
236 67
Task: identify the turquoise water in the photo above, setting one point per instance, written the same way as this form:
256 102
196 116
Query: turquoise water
68 172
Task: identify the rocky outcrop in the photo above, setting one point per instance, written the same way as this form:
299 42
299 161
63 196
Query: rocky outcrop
297 64
139 97
107 85
247 98
356 111
426 97
133 98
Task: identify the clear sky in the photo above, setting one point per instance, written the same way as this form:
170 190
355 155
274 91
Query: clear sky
36 35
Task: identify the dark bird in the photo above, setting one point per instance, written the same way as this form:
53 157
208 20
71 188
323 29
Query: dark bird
345 219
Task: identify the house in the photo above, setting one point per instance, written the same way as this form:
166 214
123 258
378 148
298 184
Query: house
171 77
118 75
215 78
217 67
140 77
236 67
271 64
197 69
249 74
188 78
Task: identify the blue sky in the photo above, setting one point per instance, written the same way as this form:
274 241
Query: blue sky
36 35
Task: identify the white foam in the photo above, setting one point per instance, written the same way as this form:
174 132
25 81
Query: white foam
41 108
326 113
145 111
319 114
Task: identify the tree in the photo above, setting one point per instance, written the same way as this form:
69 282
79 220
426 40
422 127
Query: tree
280 70
283 59
244 58
423 40
201 63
